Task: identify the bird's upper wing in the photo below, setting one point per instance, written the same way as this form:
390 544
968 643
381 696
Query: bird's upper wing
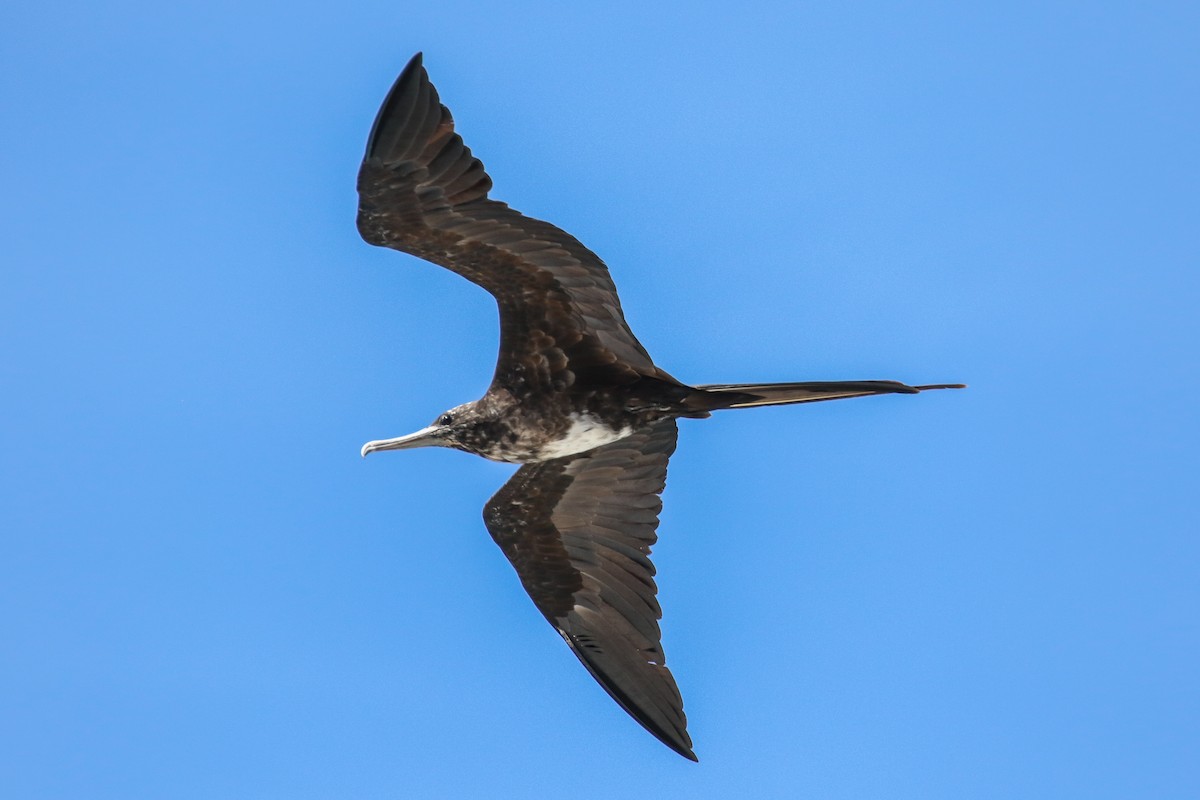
578 530
421 191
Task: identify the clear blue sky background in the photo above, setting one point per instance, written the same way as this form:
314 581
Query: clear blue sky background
206 593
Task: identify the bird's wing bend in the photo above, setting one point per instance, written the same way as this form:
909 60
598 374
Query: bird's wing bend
578 530
421 191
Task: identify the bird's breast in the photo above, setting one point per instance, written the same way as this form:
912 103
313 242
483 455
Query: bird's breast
585 432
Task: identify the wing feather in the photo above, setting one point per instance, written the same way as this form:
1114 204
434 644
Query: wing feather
421 191
578 530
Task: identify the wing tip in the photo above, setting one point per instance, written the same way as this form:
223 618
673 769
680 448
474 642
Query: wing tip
415 63
414 70
686 752
674 736
682 747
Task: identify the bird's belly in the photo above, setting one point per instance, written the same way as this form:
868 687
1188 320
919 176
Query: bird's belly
585 433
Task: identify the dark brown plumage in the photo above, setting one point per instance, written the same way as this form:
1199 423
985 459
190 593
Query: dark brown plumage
575 398
578 530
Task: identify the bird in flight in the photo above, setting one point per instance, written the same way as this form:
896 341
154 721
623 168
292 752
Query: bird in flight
575 400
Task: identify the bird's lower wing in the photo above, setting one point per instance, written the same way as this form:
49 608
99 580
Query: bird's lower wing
579 530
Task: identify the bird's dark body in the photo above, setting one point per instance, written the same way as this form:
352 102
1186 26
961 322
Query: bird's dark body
575 398
506 425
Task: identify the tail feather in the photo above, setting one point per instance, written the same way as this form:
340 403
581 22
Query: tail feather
718 396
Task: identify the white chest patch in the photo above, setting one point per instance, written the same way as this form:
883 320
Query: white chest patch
586 432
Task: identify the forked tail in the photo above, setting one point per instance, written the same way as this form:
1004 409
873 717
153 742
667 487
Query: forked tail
749 395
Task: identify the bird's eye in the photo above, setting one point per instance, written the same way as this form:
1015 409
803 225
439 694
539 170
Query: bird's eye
445 419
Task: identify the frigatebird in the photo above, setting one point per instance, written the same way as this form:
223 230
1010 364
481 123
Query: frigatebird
575 399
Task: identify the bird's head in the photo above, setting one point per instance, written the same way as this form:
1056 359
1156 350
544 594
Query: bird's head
455 428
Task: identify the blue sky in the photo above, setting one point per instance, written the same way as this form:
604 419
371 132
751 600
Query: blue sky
205 592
